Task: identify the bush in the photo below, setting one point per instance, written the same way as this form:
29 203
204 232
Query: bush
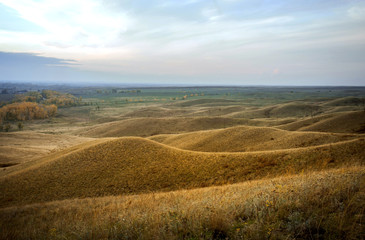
7 127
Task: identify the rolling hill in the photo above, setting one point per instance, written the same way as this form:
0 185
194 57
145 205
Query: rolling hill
20 147
345 122
246 139
133 165
144 127
301 206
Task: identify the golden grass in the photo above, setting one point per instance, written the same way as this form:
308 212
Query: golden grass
151 126
222 111
317 205
206 102
158 112
135 165
346 101
344 122
23 146
351 122
291 109
250 190
245 139
36 162
294 109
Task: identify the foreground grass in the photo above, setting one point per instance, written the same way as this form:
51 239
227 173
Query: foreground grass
317 205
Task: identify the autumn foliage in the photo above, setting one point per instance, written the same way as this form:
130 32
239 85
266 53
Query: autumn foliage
49 97
36 105
26 111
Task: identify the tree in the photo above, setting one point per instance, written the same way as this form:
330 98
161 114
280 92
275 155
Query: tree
7 127
26 111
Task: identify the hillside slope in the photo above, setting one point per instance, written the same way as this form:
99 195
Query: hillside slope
321 205
136 165
20 147
245 139
346 122
143 127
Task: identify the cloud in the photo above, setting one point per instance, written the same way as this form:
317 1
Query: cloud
357 12
212 14
76 22
193 38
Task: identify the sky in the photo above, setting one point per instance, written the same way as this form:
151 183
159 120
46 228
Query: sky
191 42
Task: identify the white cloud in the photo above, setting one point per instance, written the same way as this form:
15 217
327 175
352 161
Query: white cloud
131 38
357 12
211 14
73 22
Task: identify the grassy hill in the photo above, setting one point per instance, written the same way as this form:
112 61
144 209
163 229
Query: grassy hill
135 165
19 147
245 139
292 109
226 163
151 126
346 101
315 205
206 102
156 112
345 122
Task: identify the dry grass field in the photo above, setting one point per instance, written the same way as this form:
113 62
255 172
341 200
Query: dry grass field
20 147
315 205
215 166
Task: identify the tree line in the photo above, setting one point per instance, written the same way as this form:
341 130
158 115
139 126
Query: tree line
49 97
22 111
34 105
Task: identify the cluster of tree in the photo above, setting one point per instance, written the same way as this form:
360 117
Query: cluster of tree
22 111
49 97
29 97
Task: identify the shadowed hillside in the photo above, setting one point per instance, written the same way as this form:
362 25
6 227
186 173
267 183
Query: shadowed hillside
293 109
157 112
136 165
347 122
346 101
206 102
151 126
245 139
